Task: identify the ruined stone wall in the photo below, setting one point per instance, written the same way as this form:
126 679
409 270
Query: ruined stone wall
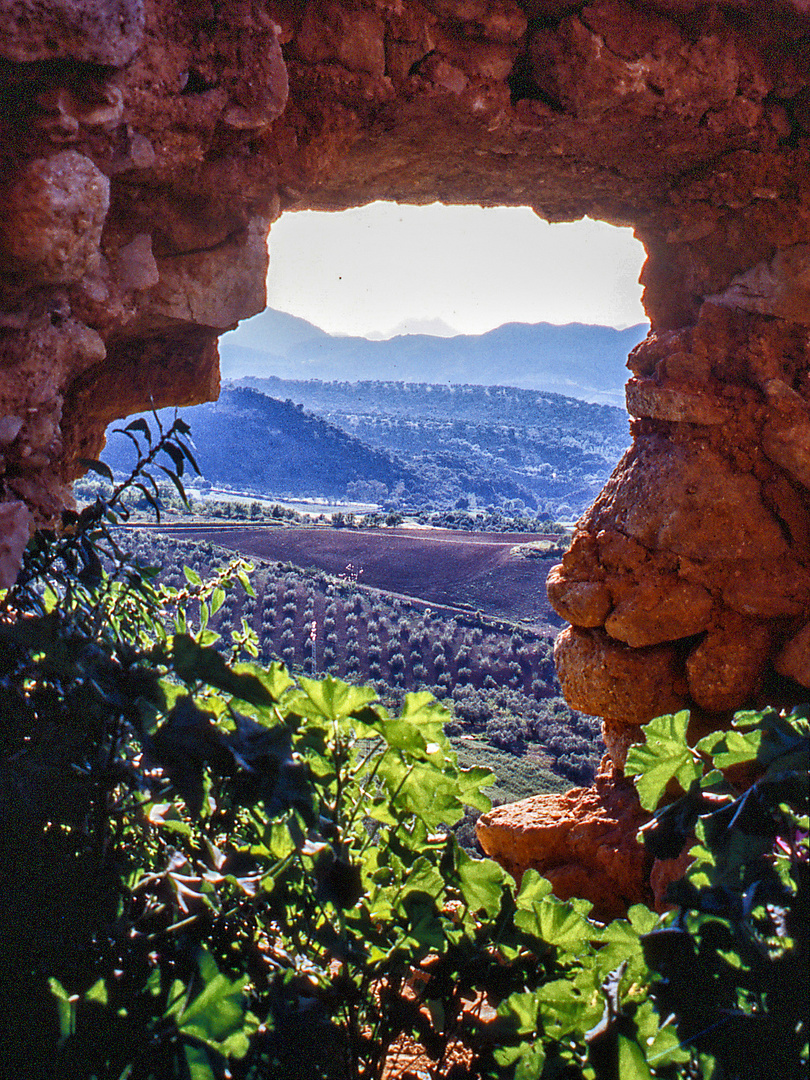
146 147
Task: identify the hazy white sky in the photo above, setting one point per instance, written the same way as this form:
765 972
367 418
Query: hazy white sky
369 270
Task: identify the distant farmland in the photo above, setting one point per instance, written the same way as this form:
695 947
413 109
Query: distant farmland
495 673
502 575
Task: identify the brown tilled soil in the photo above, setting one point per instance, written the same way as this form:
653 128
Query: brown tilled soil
484 571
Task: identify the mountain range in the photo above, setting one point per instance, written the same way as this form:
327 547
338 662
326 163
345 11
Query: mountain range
576 360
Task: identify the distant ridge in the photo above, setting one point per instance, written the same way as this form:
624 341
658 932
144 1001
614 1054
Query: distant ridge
576 360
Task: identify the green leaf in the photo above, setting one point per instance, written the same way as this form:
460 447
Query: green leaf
470 782
661 1042
531 1062
482 883
194 662
557 923
528 1058
192 577
423 878
522 1010
632 1063
568 1005
217 1015
728 748
217 599
245 582
277 840
663 757
67 1009
554 921
335 700
197 1062
620 941
97 992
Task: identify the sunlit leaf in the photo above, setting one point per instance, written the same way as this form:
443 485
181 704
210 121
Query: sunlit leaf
632 1063
192 577
663 757
334 699
481 882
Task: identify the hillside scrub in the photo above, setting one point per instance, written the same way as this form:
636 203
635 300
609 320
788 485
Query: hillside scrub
214 870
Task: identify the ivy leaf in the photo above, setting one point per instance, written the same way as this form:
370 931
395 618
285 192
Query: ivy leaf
663 757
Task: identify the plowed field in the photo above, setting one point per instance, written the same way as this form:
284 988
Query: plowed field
489 572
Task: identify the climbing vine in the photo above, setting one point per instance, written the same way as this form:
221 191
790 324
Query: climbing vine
214 869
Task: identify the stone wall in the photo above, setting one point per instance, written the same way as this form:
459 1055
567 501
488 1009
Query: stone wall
146 147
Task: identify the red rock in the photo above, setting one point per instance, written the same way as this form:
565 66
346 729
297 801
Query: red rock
794 659
602 677
726 669
583 841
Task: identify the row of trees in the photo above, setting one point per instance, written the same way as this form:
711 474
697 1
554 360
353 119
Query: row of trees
499 678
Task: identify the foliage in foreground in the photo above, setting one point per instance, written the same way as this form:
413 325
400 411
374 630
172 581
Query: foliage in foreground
213 870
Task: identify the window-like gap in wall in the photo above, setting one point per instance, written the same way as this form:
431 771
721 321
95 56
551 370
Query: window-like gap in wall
443 387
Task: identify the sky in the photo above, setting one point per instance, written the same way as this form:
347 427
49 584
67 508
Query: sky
387 267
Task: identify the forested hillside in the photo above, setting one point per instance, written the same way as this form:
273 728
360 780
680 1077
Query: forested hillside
586 362
477 444
250 441
405 446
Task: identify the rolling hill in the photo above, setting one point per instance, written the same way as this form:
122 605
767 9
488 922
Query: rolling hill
405 446
578 361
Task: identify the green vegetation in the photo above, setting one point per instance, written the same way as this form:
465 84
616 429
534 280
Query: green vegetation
408 448
212 870
497 677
